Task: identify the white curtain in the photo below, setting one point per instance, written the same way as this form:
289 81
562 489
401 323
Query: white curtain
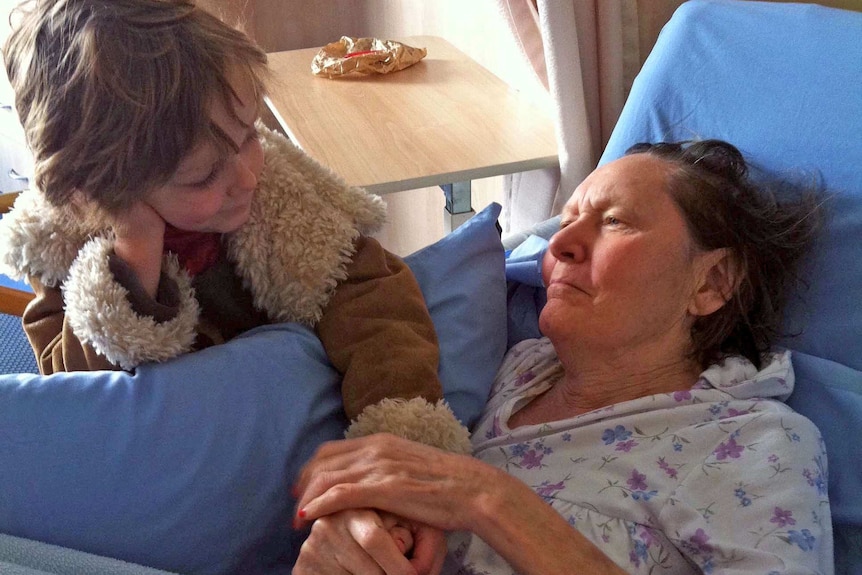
586 68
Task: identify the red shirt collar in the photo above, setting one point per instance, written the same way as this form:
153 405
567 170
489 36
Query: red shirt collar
196 251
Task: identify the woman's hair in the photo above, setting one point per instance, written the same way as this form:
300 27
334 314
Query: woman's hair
766 238
113 93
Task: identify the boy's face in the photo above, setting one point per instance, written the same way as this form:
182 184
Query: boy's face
211 191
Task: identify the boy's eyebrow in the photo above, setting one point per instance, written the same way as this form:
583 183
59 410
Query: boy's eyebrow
235 146
250 128
194 161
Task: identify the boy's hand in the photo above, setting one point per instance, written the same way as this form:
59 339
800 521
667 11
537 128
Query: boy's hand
424 545
140 239
363 542
399 531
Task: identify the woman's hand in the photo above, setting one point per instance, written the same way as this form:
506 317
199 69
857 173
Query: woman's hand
409 479
360 542
449 492
140 239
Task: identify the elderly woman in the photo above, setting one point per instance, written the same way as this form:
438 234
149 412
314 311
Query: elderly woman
645 433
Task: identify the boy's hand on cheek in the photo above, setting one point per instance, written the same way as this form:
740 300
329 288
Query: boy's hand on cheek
140 237
140 221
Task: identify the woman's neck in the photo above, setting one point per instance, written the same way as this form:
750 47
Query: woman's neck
590 383
596 386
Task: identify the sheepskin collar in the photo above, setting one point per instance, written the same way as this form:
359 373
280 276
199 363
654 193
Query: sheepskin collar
290 254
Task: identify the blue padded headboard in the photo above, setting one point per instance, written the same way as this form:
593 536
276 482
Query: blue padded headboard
783 82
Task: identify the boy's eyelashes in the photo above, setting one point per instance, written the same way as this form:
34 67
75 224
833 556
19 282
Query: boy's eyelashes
211 177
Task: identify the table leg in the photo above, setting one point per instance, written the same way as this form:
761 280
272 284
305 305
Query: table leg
459 207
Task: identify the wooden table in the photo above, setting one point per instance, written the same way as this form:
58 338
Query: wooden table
444 121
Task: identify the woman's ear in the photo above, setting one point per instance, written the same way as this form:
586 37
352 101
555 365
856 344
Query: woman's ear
718 278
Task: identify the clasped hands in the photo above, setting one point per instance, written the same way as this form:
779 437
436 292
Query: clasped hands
368 497
370 542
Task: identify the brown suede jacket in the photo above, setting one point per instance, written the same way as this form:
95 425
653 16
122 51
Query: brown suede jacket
305 255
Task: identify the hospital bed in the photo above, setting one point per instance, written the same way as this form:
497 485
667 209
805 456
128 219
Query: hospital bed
186 466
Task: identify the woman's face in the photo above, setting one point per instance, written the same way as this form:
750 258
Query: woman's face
212 190
622 269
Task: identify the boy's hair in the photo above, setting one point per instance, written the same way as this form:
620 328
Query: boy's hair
113 93
767 239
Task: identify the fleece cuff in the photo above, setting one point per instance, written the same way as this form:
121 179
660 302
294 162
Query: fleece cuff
100 312
416 419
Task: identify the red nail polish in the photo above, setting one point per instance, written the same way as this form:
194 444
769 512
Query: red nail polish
301 513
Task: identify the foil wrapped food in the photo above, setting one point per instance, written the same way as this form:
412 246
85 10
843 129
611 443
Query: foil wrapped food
349 56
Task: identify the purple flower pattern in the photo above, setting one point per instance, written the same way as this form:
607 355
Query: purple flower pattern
547 490
699 542
637 481
664 466
612 474
782 517
728 449
626 445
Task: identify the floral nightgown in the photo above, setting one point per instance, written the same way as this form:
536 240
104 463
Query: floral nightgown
723 478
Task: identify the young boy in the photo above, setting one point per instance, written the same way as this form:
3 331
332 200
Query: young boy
165 218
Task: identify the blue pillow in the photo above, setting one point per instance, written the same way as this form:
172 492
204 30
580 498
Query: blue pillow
830 395
526 295
465 291
187 465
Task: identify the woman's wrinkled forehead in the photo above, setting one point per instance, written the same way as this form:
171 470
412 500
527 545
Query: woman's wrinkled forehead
633 179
